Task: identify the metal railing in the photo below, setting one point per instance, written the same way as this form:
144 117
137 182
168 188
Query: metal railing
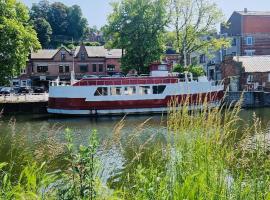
24 98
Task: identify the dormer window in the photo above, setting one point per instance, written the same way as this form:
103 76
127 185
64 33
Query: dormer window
63 56
83 56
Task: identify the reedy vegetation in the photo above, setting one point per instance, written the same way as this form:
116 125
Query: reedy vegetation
201 155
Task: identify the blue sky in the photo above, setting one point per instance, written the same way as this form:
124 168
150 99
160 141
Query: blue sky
96 11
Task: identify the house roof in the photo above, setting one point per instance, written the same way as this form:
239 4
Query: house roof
44 54
254 63
254 13
113 53
92 51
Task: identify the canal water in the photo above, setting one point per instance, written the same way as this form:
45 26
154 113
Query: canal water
22 134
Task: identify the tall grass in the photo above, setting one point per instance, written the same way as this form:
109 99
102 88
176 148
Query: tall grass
202 154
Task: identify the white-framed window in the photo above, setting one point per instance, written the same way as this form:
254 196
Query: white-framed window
249 52
250 78
249 40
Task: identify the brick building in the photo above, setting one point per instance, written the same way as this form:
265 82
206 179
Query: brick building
250 33
45 65
246 72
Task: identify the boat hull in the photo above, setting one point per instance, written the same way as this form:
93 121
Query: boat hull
79 106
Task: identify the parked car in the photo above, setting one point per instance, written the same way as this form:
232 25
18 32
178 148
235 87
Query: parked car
24 90
118 75
7 91
90 76
39 90
104 76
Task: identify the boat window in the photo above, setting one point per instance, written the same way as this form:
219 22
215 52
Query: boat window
130 90
159 89
144 90
101 91
115 90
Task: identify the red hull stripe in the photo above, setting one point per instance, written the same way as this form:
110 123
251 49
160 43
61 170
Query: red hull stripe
81 104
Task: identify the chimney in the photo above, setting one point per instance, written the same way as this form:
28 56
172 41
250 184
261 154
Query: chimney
245 10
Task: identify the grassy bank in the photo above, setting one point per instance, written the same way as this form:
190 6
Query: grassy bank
201 155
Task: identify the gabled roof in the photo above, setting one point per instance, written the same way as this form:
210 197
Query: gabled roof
254 13
44 54
92 51
95 51
113 53
254 63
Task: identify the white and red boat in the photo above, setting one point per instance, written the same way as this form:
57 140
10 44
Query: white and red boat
105 96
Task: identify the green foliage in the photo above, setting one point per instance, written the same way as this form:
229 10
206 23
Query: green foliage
81 177
92 44
195 24
33 183
67 23
196 70
17 39
44 31
138 27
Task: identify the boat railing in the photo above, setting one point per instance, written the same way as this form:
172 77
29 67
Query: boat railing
127 81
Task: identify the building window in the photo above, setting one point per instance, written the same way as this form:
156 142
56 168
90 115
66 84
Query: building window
162 68
94 68
100 67
82 56
63 56
202 58
42 69
268 77
249 52
67 68
249 40
233 53
159 89
111 68
234 42
61 69
83 68
250 78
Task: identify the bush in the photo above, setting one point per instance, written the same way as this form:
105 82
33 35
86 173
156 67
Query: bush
196 70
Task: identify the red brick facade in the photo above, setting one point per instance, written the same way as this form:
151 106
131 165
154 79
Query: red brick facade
49 64
247 80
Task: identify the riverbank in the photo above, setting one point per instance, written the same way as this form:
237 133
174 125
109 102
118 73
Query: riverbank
204 155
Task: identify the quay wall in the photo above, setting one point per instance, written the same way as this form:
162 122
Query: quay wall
251 99
21 108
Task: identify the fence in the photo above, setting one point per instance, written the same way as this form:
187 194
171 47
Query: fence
24 98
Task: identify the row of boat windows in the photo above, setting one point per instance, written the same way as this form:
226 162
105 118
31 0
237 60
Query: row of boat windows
129 90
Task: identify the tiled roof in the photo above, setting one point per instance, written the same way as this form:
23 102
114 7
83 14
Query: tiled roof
92 51
44 54
113 53
254 63
255 13
95 51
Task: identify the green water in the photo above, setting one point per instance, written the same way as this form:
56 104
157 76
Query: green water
32 131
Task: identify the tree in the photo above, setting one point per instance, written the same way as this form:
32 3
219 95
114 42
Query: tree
17 39
58 18
40 10
77 24
67 23
137 27
196 70
195 24
44 31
